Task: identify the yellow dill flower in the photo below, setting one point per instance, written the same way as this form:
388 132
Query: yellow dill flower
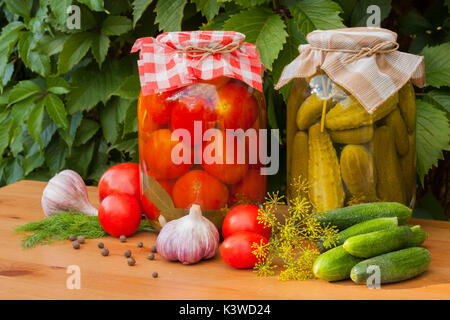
267 218
293 236
286 250
260 249
275 198
299 208
289 233
302 186
286 274
330 236
312 227
267 212
264 269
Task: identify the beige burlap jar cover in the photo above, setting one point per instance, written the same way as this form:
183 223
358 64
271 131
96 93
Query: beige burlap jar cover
364 61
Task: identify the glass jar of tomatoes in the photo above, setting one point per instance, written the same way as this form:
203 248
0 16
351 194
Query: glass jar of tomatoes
183 145
200 113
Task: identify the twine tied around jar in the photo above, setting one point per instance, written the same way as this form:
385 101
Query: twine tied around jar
202 53
382 47
340 54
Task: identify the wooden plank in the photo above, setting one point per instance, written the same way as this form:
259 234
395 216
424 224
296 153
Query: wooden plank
40 273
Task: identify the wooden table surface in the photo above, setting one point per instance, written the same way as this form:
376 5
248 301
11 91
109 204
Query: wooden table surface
41 272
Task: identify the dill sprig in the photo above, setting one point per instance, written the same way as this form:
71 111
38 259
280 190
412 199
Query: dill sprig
293 236
62 225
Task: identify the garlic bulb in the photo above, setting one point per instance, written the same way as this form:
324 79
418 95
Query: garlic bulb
66 191
188 239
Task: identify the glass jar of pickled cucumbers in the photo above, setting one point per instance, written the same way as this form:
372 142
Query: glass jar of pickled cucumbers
348 155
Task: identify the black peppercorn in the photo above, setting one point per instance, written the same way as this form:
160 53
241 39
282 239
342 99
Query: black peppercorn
127 253
153 249
131 261
123 239
140 244
80 239
105 252
76 245
100 245
151 256
155 274
72 237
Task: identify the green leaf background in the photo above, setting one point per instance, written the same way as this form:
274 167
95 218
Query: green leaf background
68 97
263 28
430 142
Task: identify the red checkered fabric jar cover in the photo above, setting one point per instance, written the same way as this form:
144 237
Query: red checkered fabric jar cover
176 59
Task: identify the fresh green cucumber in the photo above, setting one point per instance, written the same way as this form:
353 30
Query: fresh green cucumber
394 266
335 264
345 217
378 242
419 236
359 228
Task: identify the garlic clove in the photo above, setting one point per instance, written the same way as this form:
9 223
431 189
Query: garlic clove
66 191
188 239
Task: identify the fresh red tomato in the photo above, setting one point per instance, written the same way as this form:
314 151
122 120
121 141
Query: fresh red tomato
121 178
243 218
120 214
237 251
